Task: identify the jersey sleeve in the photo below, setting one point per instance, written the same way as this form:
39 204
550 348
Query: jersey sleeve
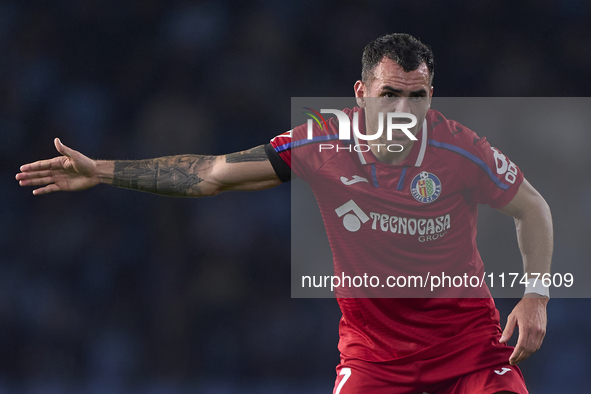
498 179
301 154
281 168
490 177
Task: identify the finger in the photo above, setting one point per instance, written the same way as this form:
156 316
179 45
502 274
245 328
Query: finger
32 174
515 356
46 190
64 150
524 347
36 181
519 354
509 328
37 166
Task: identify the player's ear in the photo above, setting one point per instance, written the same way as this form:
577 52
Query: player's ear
360 93
430 96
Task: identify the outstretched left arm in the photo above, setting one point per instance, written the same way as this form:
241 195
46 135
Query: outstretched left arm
533 222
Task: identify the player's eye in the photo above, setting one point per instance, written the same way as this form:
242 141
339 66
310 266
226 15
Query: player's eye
416 99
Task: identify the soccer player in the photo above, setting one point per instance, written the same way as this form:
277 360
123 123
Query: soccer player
415 206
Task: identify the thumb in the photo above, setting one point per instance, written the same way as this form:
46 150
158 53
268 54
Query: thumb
61 148
508 331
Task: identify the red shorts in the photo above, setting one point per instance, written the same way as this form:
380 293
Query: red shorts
472 367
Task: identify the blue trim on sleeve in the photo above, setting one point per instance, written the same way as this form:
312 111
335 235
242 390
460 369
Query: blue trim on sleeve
298 143
284 147
472 158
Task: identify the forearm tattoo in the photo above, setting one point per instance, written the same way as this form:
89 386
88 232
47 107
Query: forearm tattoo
172 175
254 154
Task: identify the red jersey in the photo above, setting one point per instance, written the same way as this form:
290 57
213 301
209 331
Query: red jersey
414 218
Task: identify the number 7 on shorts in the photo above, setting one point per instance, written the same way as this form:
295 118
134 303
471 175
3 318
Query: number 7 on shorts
347 373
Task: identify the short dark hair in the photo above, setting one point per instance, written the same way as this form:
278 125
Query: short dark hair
407 51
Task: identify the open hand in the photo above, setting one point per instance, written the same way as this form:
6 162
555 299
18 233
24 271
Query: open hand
70 172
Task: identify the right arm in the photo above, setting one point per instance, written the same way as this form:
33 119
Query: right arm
182 175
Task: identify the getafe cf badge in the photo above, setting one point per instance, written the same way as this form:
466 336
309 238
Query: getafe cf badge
425 187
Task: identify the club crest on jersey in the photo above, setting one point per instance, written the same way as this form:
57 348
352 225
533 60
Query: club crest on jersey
425 187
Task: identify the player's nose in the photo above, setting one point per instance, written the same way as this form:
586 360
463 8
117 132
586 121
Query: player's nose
403 106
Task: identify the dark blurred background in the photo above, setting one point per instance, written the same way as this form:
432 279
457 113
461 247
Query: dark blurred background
113 291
